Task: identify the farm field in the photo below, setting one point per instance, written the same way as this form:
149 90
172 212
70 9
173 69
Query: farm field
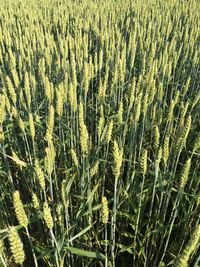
100 133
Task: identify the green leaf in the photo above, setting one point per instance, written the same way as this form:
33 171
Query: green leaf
128 249
68 187
91 195
80 233
97 207
86 253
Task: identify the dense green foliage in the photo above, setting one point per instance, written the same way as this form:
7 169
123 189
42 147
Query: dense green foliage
99 133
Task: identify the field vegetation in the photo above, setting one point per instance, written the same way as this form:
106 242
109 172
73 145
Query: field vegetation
100 133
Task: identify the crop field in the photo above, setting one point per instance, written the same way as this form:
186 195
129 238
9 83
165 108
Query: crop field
100 133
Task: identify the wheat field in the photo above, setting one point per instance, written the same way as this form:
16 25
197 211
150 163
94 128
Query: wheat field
100 133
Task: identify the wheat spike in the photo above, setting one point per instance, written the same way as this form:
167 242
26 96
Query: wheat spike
16 245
